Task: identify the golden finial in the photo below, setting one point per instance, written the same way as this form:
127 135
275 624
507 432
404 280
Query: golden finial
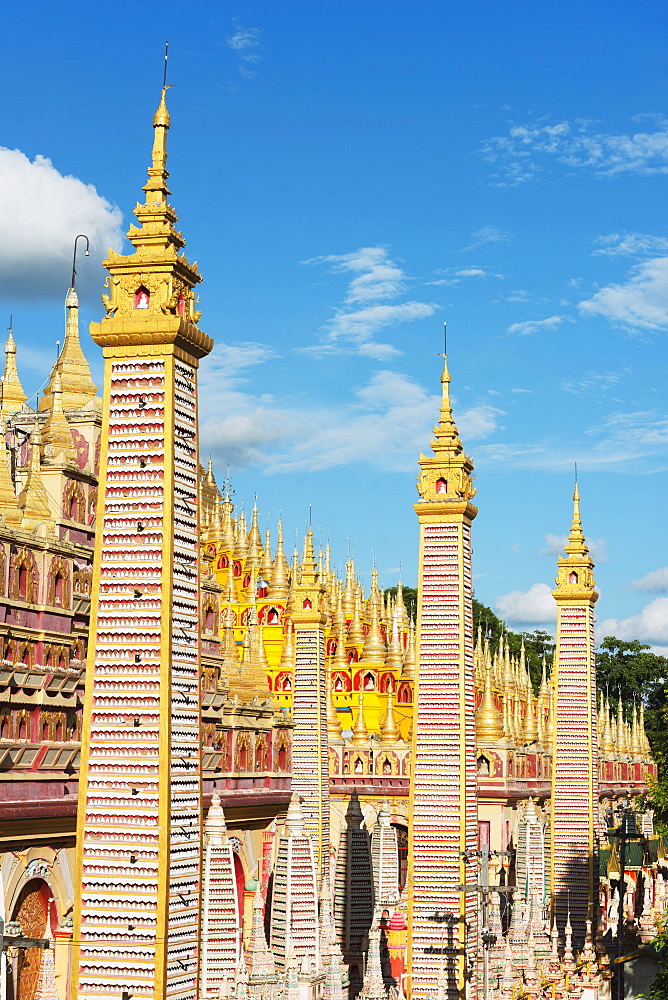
408 669
360 732
77 386
374 645
489 721
389 731
288 652
308 566
340 658
279 577
355 631
394 658
254 549
349 591
608 741
241 538
13 395
267 567
156 188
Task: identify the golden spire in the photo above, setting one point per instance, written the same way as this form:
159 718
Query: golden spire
279 576
375 596
333 724
227 530
356 632
241 537
622 747
489 721
336 606
608 742
254 554
294 581
9 505
446 476
389 731
518 722
76 383
13 396
267 566
340 658
308 567
636 747
56 434
230 649
394 658
33 499
374 644
360 732
401 607
530 724
408 669
288 652
151 295
575 577
349 591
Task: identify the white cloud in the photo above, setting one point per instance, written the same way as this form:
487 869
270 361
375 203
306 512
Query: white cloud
527 149
631 245
650 626
528 327
377 277
454 275
228 359
247 43
654 582
384 424
554 546
639 304
631 443
486 235
592 382
41 212
534 606
365 309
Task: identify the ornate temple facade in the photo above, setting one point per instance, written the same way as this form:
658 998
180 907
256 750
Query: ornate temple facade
230 773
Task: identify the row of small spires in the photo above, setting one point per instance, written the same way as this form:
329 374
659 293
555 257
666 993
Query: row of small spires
524 718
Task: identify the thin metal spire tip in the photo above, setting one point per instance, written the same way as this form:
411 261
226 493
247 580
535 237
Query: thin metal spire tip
164 70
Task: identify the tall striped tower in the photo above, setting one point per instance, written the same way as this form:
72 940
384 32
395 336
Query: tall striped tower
442 921
575 748
137 908
310 746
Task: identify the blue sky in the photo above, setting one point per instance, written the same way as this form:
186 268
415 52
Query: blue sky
349 175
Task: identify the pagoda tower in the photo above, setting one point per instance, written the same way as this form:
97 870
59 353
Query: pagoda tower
137 908
385 859
294 910
310 745
442 920
575 744
221 915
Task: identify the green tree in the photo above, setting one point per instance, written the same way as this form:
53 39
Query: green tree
410 598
